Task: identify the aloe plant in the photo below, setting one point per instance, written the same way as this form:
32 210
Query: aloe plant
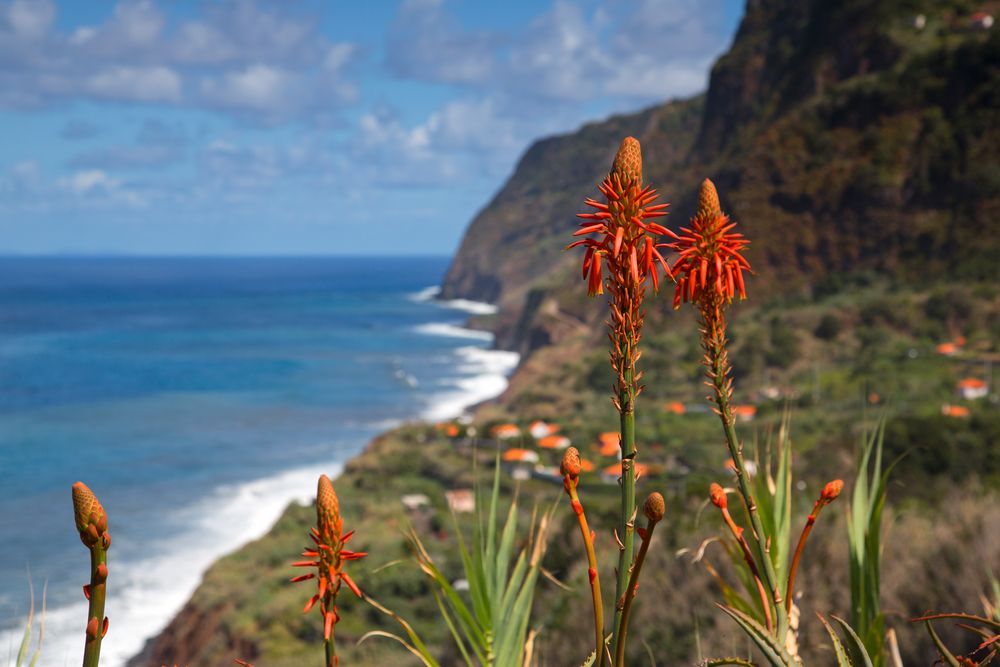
864 530
490 626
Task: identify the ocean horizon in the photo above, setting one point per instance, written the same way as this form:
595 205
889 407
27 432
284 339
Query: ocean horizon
198 396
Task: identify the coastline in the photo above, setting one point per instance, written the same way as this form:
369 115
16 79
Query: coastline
155 589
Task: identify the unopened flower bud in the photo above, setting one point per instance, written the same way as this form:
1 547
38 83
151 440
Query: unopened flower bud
327 508
571 463
655 507
628 161
718 496
88 514
708 199
832 490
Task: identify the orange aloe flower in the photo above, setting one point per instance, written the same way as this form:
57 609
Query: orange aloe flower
625 241
328 557
710 265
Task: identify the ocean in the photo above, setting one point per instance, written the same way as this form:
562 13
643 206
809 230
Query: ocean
197 397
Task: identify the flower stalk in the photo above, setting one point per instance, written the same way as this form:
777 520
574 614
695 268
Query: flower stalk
709 274
92 524
624 241
654 510
328 557
718 496
570 470
828 495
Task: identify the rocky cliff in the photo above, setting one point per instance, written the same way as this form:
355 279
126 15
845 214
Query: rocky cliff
841 136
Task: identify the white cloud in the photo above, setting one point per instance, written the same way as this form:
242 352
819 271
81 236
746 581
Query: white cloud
262 62
136 84
83 182
30 18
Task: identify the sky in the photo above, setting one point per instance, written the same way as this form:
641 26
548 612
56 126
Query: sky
252 127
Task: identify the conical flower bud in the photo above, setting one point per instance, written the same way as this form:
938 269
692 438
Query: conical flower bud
327 507
628 161
708 200
571 465
87 510
655 507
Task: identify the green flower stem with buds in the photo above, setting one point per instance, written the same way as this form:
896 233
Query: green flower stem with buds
92 524
719 381
626 529
95 614
654 513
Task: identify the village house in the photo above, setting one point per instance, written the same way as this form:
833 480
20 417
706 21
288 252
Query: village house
554 442
972 388
957 411
461 501
505 431
539 429
520 463
981 21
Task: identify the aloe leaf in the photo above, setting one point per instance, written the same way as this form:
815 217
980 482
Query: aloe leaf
857 646
454 631
775 653
838 647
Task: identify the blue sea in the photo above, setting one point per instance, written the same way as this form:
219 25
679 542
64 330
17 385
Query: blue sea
197 398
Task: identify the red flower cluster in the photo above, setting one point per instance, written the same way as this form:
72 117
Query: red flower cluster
710 266
625 241
329 556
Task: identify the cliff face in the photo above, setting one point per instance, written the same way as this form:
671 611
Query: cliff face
842 137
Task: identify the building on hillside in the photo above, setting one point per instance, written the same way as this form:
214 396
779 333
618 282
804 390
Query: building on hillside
947 349
461 501
611 474
981 21
505 431
920 21
744 413
972 388
554 442
539 429
414 502
674 407
608 444
520 463
957 411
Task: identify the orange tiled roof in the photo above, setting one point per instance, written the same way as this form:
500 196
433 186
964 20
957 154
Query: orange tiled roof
553 442
955 411
520 455
616 469
675 407
744 410
971 383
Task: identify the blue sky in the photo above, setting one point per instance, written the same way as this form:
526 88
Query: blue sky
252 127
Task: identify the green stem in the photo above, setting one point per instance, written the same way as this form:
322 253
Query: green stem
98 593
626 526
720 377
630 596
331 652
